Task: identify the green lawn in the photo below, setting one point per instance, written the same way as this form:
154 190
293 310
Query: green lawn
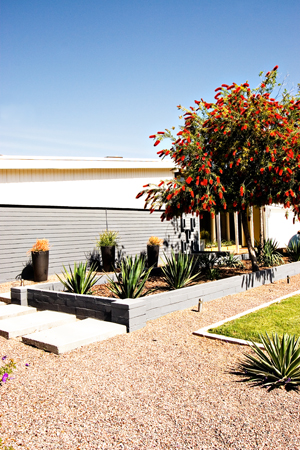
283 317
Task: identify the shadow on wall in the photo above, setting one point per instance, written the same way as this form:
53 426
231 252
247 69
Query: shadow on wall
262 277
27 272
94 257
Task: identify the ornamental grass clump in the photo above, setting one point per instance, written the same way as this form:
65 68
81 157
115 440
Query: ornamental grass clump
278 365
154 240
41 245
179 270
107 238
79 281
132 278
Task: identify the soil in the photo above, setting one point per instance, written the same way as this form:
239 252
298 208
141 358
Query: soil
153 281
160 285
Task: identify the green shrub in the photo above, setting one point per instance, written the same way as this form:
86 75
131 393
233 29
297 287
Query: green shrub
268 254
277 366
179 270
205 235
212 274
108 238
231 261
79 281
227 243
293 250
207 261
132 278
210 244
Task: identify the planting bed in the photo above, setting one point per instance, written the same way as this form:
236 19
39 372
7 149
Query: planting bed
134 313
157 281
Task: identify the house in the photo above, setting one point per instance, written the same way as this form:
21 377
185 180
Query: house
70 201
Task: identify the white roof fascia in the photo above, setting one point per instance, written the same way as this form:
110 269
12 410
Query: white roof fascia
32 162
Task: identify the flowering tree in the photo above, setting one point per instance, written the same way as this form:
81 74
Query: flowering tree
242 150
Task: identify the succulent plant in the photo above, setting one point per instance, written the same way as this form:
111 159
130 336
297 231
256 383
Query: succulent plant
278 365
79 281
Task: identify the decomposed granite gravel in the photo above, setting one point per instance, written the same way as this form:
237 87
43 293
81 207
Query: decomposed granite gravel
157 388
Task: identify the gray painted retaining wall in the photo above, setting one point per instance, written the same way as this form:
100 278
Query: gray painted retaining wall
135 313
72 233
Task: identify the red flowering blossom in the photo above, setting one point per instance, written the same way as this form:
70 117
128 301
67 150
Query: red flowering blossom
243 150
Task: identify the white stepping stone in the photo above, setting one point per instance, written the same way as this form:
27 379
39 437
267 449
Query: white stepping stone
31 323
9 311
5 298
68 337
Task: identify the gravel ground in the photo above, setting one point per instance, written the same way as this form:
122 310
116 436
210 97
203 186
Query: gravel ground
157 388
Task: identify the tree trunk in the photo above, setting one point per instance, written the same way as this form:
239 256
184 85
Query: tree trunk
252 254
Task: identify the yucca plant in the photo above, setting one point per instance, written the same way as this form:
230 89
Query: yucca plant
276 366
268 254
132 278
179 270
293 251
79 281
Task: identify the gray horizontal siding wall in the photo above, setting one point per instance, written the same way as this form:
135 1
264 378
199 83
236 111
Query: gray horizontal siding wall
72 233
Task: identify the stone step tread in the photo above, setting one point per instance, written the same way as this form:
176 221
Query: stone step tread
71 336
10 311
5 295
31 323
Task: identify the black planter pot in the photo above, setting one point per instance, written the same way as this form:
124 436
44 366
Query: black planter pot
40 264
152 255
108 258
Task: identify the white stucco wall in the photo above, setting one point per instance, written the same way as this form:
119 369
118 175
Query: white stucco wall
278 227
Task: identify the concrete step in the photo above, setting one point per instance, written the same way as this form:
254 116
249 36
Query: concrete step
9 311
68 337
5 297
31 323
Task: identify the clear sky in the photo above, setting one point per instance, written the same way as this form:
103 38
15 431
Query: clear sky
97 77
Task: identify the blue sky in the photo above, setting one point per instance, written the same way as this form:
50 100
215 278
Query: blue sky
97 77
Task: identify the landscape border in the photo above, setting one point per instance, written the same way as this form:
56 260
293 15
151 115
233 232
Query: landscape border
134 313
203 332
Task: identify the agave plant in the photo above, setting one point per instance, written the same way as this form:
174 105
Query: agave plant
207 260
268 254
132 278
277 366
179 270
79 281
293 250
231 261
